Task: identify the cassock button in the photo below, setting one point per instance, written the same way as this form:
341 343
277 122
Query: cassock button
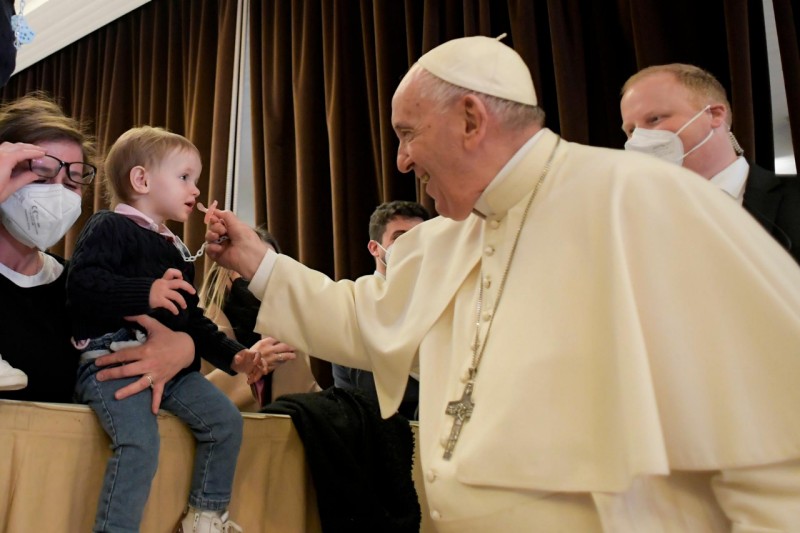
487 282
486 316
431 476
465 376
435 515
494 224
489 250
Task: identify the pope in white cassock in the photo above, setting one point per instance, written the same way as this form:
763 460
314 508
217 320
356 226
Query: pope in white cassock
606 341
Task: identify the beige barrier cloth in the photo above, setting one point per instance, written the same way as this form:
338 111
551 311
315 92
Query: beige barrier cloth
52 460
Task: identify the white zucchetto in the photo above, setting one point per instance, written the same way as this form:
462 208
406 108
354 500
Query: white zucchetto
484 65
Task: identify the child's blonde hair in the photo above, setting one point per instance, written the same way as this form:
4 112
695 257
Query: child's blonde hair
144 146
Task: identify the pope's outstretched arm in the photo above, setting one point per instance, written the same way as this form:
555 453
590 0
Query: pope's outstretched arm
298 296
355 323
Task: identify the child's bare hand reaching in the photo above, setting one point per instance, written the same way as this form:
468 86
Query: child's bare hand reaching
164 292
252 363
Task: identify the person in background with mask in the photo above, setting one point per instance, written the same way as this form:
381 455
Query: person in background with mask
681 114
389 221
45 165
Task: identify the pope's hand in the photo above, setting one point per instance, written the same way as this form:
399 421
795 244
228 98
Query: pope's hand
241 249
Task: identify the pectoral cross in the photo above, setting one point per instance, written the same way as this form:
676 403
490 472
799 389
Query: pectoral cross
461 410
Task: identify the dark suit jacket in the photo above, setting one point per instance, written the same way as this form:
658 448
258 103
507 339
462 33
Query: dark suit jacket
775 202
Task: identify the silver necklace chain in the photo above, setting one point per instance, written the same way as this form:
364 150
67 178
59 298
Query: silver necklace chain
461 409
478 355
187 255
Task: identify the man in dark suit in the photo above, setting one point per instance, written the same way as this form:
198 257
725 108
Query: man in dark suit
775 202
681 113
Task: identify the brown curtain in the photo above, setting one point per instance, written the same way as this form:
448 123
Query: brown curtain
324 71
165 64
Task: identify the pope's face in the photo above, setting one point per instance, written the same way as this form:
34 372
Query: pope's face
430 147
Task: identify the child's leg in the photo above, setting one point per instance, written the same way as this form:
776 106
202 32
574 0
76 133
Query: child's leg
133 430
217 426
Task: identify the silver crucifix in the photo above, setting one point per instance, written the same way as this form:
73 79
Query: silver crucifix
461 410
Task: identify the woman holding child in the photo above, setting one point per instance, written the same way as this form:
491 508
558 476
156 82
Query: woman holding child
46 163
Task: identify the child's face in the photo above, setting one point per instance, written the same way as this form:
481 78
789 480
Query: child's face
173 186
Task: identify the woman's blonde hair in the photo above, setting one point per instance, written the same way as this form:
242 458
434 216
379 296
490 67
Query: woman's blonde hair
216 284
36 118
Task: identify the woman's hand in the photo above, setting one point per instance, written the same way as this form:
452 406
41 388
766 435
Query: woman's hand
265 356
11 155
158 360
273 352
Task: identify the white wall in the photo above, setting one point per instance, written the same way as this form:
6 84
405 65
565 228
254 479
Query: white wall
242 198
784 154
58 23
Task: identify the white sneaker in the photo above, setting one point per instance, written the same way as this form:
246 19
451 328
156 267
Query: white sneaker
196 521
11 378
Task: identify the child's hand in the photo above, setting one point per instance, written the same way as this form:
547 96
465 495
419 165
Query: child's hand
250 362
164 292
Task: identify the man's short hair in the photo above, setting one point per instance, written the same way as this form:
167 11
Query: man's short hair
700 82
388 211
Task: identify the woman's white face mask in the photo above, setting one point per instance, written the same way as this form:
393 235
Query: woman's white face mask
665 144
40 214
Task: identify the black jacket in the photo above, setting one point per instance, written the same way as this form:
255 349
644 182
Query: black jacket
360 463
775 202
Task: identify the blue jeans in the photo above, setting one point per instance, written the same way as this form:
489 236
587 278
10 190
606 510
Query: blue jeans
213 419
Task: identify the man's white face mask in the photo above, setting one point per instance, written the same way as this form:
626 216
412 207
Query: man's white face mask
39 214
664 144
387 252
